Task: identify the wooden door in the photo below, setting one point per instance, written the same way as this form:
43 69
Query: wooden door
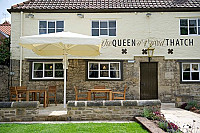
148 80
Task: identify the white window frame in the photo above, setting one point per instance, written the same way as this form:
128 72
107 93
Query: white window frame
190 72
44 70
188 27
99 63
104 28
50 28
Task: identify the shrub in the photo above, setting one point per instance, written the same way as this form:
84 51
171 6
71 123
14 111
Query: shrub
163 125
191 104
148 113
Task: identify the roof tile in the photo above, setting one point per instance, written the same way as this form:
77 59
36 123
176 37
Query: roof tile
105 4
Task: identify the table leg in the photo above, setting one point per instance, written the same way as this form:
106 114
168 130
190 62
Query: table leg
45 99
89 95
27 95
110 95
35 96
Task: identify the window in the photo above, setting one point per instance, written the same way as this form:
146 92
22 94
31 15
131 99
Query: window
189 26
47 70
104 28
190 72
46 27
104 70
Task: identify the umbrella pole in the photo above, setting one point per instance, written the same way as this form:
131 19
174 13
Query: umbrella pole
65 77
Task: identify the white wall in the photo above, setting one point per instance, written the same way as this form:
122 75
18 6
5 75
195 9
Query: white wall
157 27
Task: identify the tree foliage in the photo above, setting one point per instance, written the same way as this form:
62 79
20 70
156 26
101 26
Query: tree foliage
4 51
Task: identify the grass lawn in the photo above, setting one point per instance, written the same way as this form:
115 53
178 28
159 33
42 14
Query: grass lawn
73 128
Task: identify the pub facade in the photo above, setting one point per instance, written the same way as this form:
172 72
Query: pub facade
152 46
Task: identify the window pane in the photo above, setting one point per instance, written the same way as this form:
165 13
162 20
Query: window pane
183 22
48 74
112 32
43 31
186 75
195 67
114 74
184 31
104 67
104 74
114 66
199 30
95 32
112 24
192 22
186 67
103 32
59 30
93 74
103 24
51 30
95 24
38 66
58 66
43 24
48 66
38 74
59 24
198 22
195 75
51 24
93 66
59 74
193 30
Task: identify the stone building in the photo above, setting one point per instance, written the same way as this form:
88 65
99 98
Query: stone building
128 29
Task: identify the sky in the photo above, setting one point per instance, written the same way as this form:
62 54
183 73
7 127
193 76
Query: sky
4 5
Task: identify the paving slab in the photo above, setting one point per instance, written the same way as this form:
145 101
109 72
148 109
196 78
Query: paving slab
186 120
152 127
52 110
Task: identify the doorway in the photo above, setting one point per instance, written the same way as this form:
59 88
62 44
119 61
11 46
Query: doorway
148 80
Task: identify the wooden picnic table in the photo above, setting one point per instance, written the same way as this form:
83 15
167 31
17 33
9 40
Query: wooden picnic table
100 91
34 95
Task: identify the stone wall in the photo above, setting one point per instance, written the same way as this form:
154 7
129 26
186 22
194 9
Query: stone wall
168 79
181 99
18 111
109 110
4 80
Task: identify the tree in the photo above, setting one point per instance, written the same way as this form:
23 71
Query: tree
4 51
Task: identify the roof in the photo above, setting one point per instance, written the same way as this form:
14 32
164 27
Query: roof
5 28
105 5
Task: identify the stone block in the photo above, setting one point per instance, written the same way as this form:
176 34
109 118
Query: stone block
26 104
20 112
113 103
130 103
5 104
71 104
148 103
94 103
80 104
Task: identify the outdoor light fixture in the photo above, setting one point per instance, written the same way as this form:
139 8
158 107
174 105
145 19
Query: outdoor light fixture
80 15
150 52
148 14
30 15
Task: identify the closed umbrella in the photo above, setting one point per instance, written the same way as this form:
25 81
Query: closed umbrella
62 43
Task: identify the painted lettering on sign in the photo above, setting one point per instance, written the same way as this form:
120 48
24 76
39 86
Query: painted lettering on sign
147 42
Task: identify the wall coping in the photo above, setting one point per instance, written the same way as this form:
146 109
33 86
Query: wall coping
139 103
22 104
